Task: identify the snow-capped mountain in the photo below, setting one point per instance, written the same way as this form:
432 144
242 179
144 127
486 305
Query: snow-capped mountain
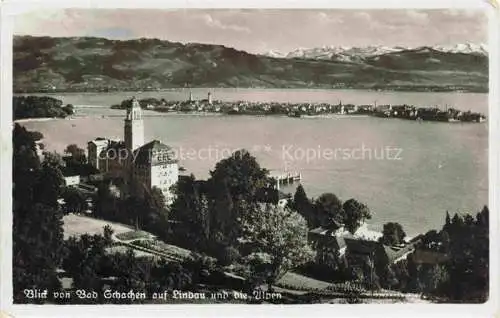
328 52
467 48
353 54
273 53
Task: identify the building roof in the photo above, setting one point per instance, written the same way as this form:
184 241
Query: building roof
153 153
332 237
283 195
366 247
99 141
359 246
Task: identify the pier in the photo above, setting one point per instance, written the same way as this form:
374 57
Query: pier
285 178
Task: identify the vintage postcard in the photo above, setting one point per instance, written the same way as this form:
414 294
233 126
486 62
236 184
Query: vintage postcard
270 156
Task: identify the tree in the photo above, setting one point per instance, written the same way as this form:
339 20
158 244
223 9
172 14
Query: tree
69 109
303 206
106 205
53 158
241 173
37 250
84 261
37 106
49 188
36 135
37 220
74 199
156 215
108 234
25 166
328 210
468 266
392 234
278 238
447 219
355 214
223 216
131 210
193 210
78 156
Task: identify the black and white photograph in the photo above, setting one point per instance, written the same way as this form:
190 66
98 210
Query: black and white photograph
270 156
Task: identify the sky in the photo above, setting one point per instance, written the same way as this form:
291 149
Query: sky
262 30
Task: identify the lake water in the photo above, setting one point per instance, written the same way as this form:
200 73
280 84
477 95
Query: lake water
405 171
470 101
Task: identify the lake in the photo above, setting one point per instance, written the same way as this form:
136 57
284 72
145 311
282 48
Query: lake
405 171
470 101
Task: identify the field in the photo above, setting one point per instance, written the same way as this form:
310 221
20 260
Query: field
76 225
143 243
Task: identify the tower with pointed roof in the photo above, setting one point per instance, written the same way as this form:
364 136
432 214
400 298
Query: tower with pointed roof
134 126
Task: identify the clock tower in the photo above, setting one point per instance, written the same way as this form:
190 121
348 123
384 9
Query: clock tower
134 126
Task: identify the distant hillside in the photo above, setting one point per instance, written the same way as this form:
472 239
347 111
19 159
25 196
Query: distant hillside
98 64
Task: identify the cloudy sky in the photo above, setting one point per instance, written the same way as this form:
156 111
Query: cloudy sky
267 29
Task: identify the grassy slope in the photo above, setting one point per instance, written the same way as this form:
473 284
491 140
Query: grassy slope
96 63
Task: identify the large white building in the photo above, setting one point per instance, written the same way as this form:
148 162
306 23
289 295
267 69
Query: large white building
141 166
155 166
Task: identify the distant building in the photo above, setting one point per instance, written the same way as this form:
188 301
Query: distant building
210 98
94 149
327 241
71 180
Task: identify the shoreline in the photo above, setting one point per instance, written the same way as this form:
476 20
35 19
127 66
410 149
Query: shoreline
35 119
479 90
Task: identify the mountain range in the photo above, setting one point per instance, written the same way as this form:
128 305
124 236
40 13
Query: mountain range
349 53
99 64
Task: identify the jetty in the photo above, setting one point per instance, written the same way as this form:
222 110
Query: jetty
285 178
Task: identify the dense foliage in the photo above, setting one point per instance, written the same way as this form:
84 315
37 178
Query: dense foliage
275 240
393 234
37 227
94 269
39 106
451 265
329 212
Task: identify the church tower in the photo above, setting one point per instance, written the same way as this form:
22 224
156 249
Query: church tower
134 126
